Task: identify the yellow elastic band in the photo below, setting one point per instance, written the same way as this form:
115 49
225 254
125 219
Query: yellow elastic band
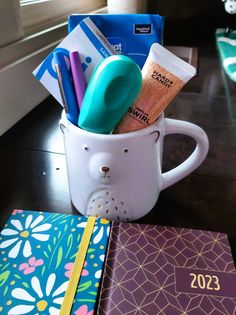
77 268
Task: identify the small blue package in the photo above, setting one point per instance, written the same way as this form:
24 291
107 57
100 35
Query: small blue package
130 34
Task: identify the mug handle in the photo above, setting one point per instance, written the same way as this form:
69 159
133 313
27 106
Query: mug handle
173 126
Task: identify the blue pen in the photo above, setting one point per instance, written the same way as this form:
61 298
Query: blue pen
67 86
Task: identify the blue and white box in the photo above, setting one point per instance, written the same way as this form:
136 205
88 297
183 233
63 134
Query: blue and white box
130 34
92 46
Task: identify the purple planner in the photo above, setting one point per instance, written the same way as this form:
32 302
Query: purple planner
153 270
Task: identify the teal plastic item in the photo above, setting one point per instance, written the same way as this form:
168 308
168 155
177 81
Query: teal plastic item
226 45
113 86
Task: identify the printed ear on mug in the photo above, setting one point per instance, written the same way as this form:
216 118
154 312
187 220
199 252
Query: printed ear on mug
156 135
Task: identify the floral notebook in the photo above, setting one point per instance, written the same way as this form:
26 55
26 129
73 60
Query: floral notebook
37 252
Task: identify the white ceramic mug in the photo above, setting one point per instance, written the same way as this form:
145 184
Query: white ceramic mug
119 176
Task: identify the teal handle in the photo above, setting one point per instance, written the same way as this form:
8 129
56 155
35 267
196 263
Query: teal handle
113 87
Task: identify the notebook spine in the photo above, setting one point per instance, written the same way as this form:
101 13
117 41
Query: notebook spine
104 300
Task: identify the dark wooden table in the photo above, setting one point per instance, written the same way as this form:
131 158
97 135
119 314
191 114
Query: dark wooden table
33 167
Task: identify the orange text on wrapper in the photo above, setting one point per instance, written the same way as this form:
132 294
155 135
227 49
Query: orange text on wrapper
162 79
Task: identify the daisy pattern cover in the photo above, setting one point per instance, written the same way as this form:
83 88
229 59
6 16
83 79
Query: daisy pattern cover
37 253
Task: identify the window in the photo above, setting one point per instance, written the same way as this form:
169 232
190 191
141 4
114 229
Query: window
40 14
10 22
45 20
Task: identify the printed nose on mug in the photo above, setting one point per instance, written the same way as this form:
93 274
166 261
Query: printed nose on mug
104 169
